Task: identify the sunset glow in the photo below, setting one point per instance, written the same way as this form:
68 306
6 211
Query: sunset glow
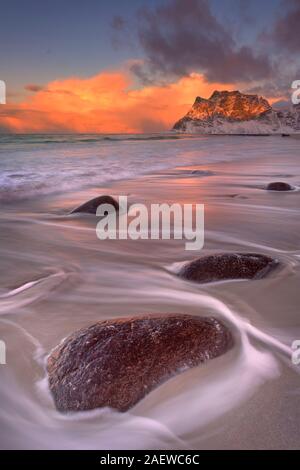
105 103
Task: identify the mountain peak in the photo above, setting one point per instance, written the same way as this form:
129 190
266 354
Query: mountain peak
234 112
217 94
229 104
199 99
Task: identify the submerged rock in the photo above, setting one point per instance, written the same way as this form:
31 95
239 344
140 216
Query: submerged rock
90 207
116 363
224 266
202 173
279 186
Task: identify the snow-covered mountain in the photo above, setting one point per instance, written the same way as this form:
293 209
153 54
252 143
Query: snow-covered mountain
232 112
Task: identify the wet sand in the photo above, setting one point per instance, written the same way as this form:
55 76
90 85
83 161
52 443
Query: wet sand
246 399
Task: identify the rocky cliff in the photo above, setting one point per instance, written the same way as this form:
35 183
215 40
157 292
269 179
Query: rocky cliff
232 112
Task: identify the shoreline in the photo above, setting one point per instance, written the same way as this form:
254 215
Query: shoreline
84 280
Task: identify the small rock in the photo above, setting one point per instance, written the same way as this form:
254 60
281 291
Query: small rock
279 186
115 363
220 267
238 196
90 207
202 173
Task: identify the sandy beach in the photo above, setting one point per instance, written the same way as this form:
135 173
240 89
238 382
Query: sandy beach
57 277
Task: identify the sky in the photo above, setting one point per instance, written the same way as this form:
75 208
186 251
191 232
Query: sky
138 65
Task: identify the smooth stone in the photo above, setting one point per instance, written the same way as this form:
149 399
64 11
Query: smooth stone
279 186
225 266
90 207
115 363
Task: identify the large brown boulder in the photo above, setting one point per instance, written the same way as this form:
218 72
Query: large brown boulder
220 267
90 207
115 363
279 186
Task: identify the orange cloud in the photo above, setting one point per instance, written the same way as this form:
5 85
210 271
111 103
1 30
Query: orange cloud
105 103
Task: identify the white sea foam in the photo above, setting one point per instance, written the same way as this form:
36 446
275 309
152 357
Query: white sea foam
36 165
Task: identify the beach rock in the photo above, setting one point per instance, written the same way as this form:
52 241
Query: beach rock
224 266
202 173
115 363
90 207
279 186
238 196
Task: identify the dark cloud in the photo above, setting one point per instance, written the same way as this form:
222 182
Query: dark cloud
141 72
181 37
121 33
118 23
33 87
280 86
36 88
286 32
